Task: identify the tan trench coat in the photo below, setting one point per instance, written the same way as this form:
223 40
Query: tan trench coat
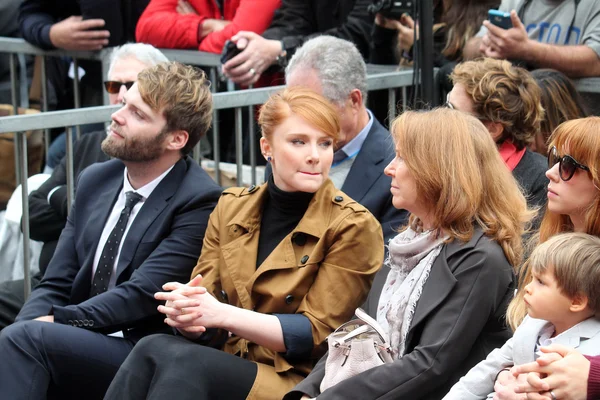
323 269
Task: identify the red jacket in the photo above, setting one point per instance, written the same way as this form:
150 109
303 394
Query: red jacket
161 26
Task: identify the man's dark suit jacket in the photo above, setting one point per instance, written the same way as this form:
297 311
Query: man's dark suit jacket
163 244
47 219
368 185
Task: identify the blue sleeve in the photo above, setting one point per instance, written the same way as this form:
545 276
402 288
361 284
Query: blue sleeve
297 335
35 22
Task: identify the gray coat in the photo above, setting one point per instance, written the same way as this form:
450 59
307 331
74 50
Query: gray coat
459 319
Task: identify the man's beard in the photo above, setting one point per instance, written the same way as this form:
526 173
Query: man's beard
134 149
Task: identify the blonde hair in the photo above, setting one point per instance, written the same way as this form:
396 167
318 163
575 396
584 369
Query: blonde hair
580 137
503 93
574 260
457 168
183 94
307 104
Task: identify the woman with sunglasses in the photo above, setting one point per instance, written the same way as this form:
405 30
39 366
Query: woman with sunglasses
573 206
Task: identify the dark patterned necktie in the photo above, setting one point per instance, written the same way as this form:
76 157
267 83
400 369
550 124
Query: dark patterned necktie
111 248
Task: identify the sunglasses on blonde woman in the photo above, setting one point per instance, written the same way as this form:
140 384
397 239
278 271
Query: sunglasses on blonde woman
567 165
113 87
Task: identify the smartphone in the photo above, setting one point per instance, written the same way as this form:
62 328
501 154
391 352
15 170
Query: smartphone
230 50
500 18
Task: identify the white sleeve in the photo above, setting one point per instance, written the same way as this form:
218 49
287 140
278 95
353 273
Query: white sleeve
479 381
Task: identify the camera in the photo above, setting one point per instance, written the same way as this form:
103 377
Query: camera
392 9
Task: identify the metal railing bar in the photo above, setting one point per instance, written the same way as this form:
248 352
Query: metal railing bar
21 156
252 144
70 171
587 85
14 100
44 85
89 115
16 45
193 57
57 119
76 94
215 128
239 145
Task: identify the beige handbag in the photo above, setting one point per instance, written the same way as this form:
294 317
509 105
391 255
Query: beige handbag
355 347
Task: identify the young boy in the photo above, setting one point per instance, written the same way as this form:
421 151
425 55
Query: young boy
563 302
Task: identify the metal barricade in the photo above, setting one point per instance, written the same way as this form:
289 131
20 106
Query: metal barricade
15 47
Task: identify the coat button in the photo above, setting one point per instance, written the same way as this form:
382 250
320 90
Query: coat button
299 239
304 259
224 295
91 323
70 322
79 323
252 188
338 199
86 322
289 299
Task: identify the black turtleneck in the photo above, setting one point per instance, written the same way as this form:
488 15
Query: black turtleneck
281 213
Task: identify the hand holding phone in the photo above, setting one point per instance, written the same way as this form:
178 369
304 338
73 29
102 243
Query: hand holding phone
230 50
500 19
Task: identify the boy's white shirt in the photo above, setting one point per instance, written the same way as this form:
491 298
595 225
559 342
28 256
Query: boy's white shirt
478 383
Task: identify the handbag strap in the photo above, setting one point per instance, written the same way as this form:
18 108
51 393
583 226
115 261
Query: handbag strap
360 313
367 323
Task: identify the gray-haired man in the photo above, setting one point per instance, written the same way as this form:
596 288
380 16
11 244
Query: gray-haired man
334 68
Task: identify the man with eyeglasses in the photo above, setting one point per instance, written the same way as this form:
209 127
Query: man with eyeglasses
506 99
126 62
48 204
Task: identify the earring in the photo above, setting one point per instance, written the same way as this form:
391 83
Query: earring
269 158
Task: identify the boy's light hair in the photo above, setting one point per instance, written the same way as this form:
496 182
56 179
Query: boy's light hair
574 259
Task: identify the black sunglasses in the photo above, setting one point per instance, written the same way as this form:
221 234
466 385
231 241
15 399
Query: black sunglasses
567 165
113 87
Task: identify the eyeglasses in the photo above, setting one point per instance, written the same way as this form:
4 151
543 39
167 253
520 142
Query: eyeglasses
567 165
113 87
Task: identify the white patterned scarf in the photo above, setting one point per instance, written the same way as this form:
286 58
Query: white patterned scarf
410 258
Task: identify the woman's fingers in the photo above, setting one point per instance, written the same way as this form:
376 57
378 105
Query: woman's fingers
180 293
